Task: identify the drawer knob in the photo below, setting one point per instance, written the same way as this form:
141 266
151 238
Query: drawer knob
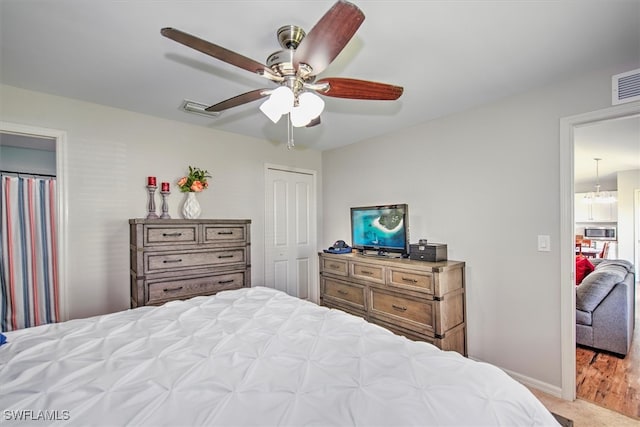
343 292
334 266
169 261
225 256
367 272
409 279
173 289
225 282
399 308
171 234
224 232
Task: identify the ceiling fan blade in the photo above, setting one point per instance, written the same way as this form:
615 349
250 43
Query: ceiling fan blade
314 122
329 36
217 52
359 89
254 95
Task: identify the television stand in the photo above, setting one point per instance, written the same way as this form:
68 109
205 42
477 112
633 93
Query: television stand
421 300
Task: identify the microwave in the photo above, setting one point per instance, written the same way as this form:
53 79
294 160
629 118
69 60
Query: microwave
600 233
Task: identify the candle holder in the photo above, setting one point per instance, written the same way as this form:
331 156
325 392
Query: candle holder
152 202
165 205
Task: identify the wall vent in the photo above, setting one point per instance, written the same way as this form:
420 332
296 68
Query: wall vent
626 87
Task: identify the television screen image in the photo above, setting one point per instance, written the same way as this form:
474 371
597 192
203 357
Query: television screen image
381 228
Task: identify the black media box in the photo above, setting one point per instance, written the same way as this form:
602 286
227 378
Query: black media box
430 252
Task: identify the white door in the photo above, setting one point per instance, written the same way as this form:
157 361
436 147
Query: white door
290 232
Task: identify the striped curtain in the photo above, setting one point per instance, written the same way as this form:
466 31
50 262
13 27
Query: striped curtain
28 276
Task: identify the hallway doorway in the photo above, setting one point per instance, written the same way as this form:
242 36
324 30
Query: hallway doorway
567 235
603 378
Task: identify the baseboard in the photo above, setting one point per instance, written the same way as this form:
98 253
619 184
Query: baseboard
529 382
539 385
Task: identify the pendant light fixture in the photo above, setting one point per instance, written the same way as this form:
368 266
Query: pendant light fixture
598 196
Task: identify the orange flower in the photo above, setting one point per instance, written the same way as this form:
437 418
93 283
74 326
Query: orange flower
197 186
195 182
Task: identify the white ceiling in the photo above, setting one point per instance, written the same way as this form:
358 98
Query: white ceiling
615 142
448 55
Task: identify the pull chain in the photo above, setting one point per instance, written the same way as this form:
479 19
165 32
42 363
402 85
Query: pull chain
290 143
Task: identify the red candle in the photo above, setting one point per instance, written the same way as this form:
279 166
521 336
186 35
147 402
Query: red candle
151 181
165 186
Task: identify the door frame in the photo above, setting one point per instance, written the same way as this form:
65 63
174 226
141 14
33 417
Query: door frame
314 292
60 138
636 231
567 230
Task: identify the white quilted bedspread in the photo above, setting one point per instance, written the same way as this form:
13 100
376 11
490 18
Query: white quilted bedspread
249 357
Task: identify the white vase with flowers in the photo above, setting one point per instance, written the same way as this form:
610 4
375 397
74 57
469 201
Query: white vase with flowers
195 182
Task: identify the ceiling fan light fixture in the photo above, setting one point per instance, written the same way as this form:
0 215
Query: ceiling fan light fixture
269 109
280 102
309 107
282 99
298 117
312 103
296 67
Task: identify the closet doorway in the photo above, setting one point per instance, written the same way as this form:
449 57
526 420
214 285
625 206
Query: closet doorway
32 160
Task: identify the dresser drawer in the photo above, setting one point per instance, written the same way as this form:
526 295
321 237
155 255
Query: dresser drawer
167 290
407 333
420 300
409 279
415 311
178 260
216 234
343 292
182 258
159 235
334 266
368 272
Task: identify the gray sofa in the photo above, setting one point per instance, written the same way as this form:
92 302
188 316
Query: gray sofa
605 307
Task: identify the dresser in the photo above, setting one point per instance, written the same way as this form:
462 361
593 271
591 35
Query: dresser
423 301
179 259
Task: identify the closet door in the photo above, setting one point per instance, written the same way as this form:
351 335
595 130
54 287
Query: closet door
290 232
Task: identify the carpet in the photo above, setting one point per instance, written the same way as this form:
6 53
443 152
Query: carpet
564 422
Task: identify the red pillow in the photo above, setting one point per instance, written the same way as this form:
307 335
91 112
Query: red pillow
583 267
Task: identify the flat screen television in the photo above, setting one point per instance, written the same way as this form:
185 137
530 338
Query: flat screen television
384 229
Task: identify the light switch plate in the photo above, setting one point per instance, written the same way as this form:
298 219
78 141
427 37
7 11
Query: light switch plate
544 243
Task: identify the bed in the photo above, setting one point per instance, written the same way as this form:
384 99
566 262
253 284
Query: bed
248 357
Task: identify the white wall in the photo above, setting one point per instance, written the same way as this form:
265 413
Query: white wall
628 182
486 182
110 152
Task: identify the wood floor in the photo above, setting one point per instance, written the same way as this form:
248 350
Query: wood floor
610 381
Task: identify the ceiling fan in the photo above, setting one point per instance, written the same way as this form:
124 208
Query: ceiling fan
295 67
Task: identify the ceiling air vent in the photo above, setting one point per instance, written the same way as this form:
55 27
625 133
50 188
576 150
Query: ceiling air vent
626 87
